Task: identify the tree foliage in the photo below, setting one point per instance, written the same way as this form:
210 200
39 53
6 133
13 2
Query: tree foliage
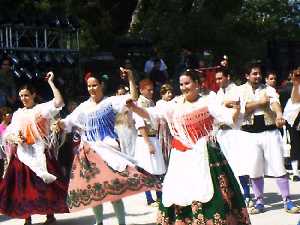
240 28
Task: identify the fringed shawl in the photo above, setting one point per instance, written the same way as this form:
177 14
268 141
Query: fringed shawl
189 122
192 124
34 126
97 122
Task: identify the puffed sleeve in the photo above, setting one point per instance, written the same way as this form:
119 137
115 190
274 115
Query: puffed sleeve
76 118
119 102
138 121
291 111
271 92
220 113
48 109
157 112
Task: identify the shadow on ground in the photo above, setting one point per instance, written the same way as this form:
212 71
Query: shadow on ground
84 220
4 218
274 200
90 220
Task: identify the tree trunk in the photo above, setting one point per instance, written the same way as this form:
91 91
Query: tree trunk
197 5
135 16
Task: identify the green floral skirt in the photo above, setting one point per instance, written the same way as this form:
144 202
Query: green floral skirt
227 207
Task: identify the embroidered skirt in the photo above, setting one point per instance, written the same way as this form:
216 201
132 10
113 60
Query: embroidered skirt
93 182
23 194
226 207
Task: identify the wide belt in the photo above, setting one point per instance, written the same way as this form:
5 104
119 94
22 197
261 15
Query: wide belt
149 135
258 129
258 125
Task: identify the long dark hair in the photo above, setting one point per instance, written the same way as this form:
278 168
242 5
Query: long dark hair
32 90
28 87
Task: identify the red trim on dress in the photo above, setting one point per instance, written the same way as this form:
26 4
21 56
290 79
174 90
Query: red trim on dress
179 146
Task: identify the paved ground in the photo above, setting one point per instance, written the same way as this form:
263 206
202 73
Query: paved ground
137 213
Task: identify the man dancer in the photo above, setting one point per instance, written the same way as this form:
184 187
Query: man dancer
263 115
228 137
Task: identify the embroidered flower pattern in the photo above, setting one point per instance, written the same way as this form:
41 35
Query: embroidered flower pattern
225 190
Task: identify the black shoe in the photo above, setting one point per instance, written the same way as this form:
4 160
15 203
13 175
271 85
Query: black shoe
50 221
150 202
295 178
28 221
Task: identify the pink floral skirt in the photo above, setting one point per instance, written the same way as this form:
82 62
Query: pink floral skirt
93 182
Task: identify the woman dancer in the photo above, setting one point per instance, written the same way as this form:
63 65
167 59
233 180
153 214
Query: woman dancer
199 186
32 183
101 172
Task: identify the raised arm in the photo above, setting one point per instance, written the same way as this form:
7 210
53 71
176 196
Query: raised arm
58 99
131 81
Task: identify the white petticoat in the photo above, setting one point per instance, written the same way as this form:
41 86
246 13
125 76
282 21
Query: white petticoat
237 147
188 177
109 151
152 163
34 157
291 111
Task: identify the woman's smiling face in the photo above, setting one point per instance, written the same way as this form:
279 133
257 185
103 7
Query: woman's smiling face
27 98
94 88
188 87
